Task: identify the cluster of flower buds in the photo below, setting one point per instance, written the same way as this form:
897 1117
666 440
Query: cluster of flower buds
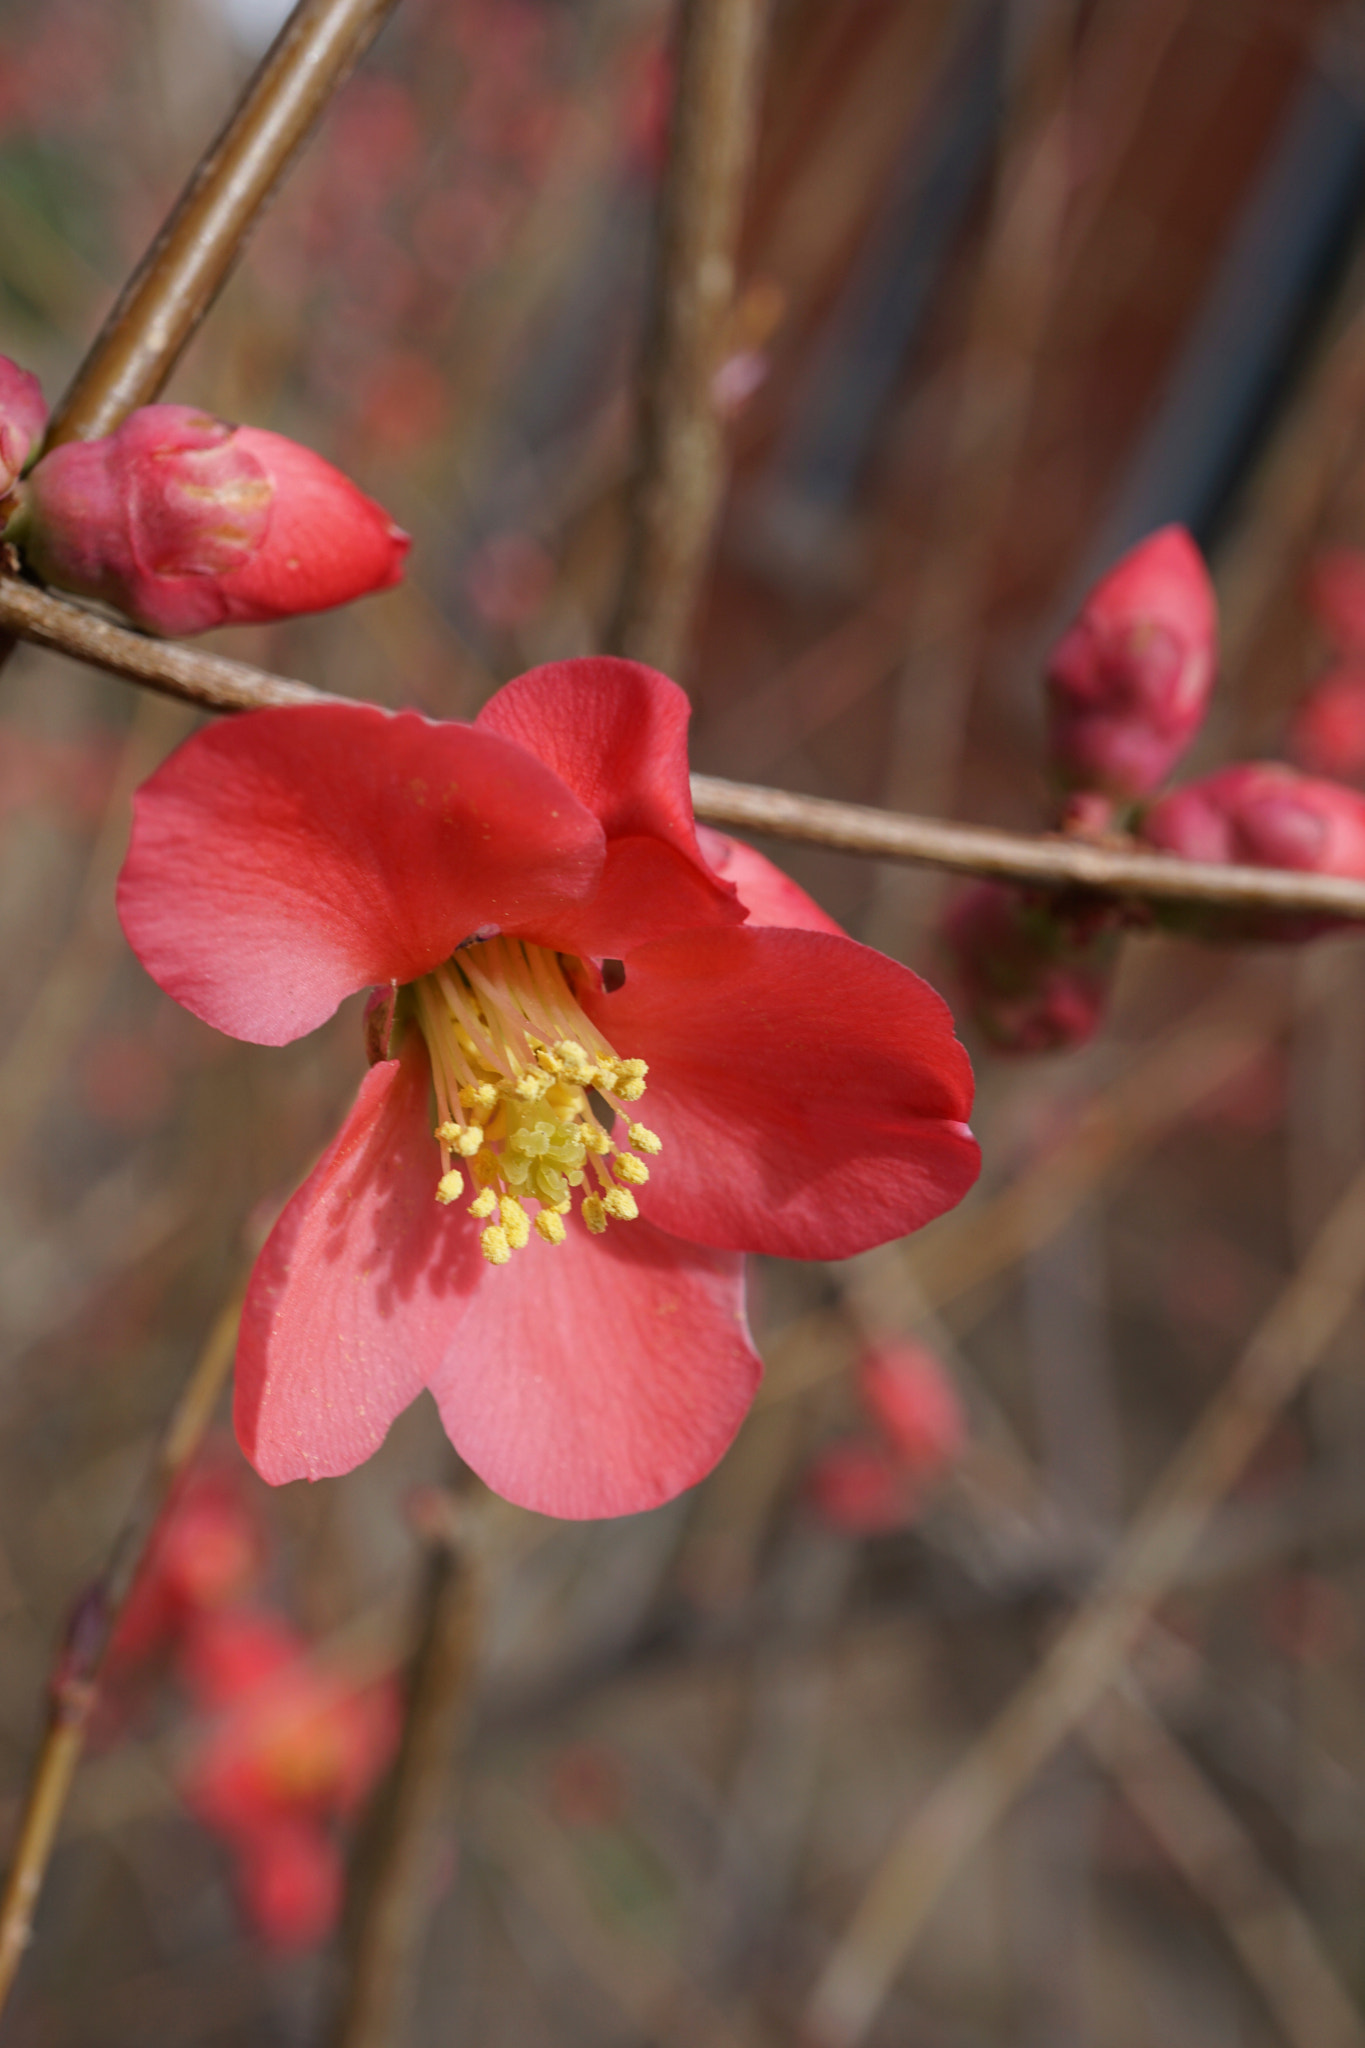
1034 968
287 1749
183 522
876 1481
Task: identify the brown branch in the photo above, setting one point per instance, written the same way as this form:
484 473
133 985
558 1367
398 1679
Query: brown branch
1088 1654
398 1866
681 477
181 274
90 1631
218 684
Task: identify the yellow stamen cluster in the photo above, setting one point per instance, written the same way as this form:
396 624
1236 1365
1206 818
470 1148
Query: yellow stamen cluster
522 1078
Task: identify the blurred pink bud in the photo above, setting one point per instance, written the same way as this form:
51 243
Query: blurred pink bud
1035 973
1327 736
1129 684
23 415
231 1651
290 1882
1336 595
185 523
913 1402
1261 814
859 1488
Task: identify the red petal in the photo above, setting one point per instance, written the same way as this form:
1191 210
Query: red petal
603 1375
282 860
769 896
358 1289
616 733
809 1092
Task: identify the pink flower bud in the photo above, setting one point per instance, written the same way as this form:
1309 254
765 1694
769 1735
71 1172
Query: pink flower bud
23 415
185 523
1336 595
290 1880
1035 972
1129 684
1260 814
859 1488
1327 736
914 1404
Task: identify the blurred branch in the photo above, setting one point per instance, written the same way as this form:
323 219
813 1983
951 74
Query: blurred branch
681 477
90 1631
398 1875
181 274
1276 1943
219 684
1090 1651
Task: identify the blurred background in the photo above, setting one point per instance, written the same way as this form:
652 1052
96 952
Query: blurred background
1022 280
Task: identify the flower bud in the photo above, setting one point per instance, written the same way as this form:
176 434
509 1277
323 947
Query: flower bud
1336 596
1035 971
1260 814
914 1404
290 1880
23 416
857 1487
184 523
1327 736
1129 684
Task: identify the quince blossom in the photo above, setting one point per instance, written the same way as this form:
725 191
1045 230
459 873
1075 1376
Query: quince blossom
595 1085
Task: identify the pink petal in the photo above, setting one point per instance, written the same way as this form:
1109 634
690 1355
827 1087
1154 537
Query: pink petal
603 1375
281 860
809 1092
359 1287
616 733
648 891
769 896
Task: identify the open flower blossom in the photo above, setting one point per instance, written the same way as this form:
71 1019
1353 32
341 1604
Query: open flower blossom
184 522
594 1085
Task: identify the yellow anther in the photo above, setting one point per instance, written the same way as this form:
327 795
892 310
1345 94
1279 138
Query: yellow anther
577 1063
450 1187
645 1141
595 1138
621 1203
485 1204
467 1142
595 1214
629 1090
480 1101
628 1168
487 1168
515 1222
532 1085
550 1226
496 1249
447 1134
632 1070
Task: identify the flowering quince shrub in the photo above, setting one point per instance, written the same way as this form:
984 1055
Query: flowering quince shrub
596 1082
183 522
1128 687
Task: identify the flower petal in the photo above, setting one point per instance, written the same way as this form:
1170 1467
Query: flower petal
809 1092
603 1375
355 1295
616 733
769 895
282 860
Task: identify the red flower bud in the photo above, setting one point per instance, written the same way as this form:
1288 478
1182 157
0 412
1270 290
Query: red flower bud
290 1883
23 415
185 523
1336 594
858 1487
1035 972
1129 684
1261 814
1327 736
914 1404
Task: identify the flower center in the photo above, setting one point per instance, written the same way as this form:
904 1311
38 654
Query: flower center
525 1090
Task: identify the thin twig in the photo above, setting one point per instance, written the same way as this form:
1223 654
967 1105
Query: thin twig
398 1867
181 274
90 1631
681 476
219 684
1090 1651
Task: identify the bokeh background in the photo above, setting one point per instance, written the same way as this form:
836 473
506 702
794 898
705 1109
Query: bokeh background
1020 283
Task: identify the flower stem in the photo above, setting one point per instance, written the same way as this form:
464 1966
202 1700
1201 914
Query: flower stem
187 264
95 1617
681 476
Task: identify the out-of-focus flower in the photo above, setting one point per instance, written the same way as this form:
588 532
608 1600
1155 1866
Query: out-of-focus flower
1262 814
1129 683
859 1487
290 1881
806 1095
1336 594
1035 971
184 523
914 1404
23 415
207 1553
1327 736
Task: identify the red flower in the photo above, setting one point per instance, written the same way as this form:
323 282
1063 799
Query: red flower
910 1397
184 523
530 894
1327 736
